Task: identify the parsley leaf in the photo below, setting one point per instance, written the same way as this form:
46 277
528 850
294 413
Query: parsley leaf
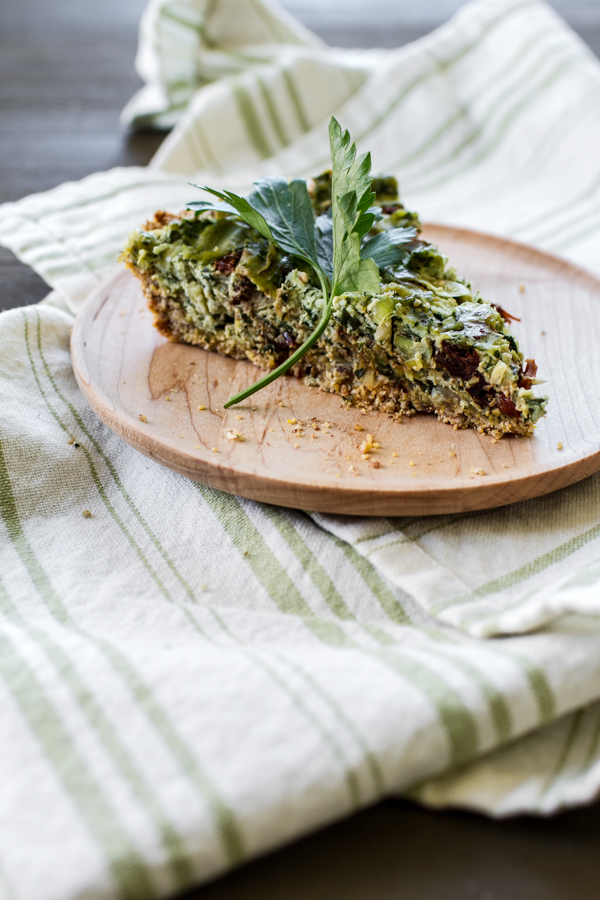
231 203
388 248
281 211
324 235
351 199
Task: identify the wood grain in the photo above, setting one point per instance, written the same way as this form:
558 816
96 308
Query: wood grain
290 457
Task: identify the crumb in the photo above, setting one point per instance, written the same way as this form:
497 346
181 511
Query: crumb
477 471
347 457
215 449
239 418
358 427
167 398
204 587
375 464
394 454
122 313
86 514
369 444
281 404
303 277
543 332
337 474
201 407
142 417
181 436
197 447
292 421
411 463
235 435
313 436
271 429
413 474
352 470
296 446
452 453
364 412
504 466
559 446
365 456
71 441
76 445
522 288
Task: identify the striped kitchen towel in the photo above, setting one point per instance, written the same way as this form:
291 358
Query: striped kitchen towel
188 678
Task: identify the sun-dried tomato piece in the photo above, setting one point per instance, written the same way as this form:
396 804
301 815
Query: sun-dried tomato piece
461 362
389 210
243 292
159 220
528 374
508 317
507 407
226 264
287 340
480 392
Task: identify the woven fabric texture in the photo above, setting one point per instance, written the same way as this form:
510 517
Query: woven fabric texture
187 678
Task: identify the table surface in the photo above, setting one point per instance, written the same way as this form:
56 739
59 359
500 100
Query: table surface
66 70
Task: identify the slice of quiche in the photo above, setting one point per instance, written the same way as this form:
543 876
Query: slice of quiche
423 342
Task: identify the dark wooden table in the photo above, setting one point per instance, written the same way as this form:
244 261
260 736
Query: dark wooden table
66 70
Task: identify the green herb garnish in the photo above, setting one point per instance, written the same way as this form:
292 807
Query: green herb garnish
332 244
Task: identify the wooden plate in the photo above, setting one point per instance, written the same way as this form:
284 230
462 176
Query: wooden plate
126 370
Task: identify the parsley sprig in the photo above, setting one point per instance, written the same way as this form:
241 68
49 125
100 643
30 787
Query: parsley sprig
333 244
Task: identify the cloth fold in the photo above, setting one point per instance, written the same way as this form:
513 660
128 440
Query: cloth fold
189 678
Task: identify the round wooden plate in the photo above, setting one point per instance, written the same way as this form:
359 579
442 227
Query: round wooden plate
301 446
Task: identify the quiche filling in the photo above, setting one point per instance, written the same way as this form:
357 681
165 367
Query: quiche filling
424 342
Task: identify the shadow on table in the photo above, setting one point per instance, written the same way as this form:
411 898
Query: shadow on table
400 851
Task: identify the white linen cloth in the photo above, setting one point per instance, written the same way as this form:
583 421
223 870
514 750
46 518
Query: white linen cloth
188 678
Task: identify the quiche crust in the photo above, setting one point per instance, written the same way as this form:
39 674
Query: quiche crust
426 342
